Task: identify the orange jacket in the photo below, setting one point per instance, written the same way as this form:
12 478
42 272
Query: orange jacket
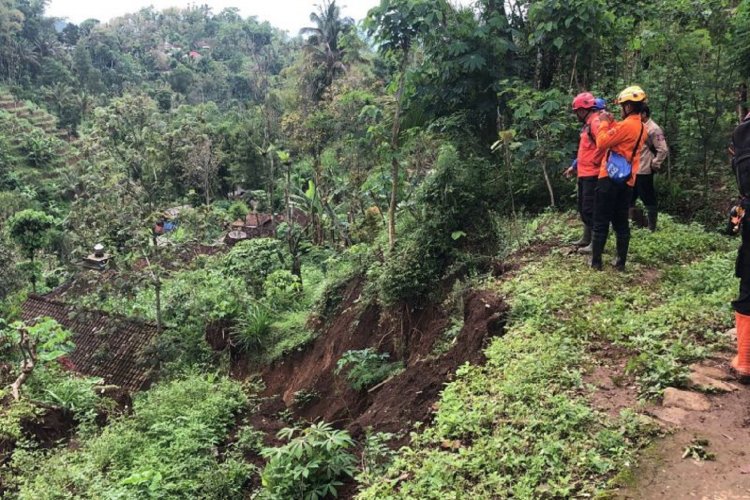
621 137
589 157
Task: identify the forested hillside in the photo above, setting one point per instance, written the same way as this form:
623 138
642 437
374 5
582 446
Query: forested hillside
242 263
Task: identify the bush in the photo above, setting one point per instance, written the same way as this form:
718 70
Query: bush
366 368
310 465
74 394
282 289
455 203
254 260
39 148
166 449
237 210
253 328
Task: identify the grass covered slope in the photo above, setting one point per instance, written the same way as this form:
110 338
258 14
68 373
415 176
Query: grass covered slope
522 425
166 449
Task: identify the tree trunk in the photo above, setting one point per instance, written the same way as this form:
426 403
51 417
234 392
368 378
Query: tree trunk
270 195
157 289
27 366
741 102
28 351
549 185
394 151
157 285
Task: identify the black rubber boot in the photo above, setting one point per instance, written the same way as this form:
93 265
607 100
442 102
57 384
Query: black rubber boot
597 248
623 242
652 213
586 238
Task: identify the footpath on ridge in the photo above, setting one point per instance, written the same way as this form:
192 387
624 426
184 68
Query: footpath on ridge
603 383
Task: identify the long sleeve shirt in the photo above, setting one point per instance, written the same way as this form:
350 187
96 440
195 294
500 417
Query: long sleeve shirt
654 150
621 137
589 156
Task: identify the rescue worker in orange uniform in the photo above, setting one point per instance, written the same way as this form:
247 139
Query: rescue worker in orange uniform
612 199
740 224
587 164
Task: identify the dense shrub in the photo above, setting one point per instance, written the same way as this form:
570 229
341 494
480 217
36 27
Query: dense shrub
310 465
255 259
39 148
237 210
166 449
455 204
281 289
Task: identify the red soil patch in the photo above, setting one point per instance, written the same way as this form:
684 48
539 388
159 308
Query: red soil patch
407 397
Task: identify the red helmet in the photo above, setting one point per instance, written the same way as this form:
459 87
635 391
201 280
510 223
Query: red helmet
585 100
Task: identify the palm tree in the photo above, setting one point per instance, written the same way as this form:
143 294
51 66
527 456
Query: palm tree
322 45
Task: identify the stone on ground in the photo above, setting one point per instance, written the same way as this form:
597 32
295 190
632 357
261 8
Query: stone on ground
670 415
686 400
713 372
703 383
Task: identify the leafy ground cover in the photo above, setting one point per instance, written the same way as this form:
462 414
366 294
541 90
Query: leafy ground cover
166 449
522 425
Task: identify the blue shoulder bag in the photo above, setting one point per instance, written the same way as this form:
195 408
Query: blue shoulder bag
618 168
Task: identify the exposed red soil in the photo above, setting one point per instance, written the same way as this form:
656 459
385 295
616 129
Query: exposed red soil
217 334
407 397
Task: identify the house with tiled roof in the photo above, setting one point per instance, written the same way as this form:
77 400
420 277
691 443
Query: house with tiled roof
109 346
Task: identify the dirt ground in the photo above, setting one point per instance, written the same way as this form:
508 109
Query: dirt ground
406 398
663 473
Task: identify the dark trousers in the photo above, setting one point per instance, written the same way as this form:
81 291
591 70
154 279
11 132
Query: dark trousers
742 270
611 206
586 197
644 189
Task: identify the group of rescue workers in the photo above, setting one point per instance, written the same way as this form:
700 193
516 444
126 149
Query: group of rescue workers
615 166
602 199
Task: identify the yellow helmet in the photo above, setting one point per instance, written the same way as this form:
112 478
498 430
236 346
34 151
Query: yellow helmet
633 94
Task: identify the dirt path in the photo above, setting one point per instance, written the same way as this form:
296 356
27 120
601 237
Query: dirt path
721 419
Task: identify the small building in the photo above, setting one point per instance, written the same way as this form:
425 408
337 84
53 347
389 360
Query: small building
98 260
115 348
259 225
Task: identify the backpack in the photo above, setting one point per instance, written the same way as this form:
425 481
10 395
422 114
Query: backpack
741 160
620 169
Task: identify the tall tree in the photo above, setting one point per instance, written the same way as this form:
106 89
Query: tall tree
322 46
30 229
397 25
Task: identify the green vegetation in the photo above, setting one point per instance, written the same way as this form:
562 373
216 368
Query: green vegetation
310 466
165 449
521 423
365 368
380 170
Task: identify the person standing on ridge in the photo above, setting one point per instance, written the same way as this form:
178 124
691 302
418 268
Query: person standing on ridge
587 164
622 142
740 223
653 154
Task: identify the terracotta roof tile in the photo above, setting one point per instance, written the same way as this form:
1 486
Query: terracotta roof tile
108 346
